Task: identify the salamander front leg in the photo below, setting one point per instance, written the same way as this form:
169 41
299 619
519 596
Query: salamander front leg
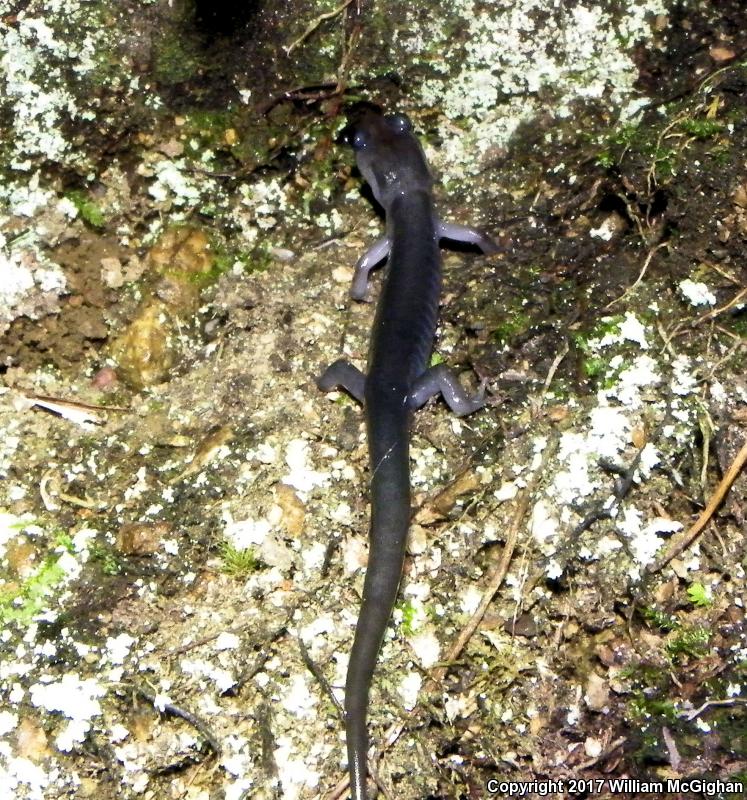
343 375
463 233
375 254
441 379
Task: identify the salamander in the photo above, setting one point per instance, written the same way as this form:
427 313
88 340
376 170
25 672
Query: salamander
397 382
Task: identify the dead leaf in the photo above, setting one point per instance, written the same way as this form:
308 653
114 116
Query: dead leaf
721 53
293 510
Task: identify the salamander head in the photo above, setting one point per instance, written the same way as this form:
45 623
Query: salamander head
388 155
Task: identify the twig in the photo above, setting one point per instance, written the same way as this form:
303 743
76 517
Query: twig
554 366
623 485
348 47
721 271
696 712
46 497
667 337
651 173
313 668
329 89
187 716
675 759
739 344
185 648
641 275
72 410
498 573
317 91
49 477
264 652
716 311
692 534
314 24
699 84
495 578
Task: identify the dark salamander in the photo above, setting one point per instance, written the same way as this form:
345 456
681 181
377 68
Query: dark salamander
397 382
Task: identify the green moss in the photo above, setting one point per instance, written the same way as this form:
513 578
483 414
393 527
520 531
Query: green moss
658 619
663 145
251 143
515 322
645 675
258 260
614 143
175 57
206 129
737 324
606 159
237 562
409 613
699 596
664 162
606 325
65 541
596 366
649 747
701 128
224 260
692 642
23 602
89 212
644 708
107 559
208 122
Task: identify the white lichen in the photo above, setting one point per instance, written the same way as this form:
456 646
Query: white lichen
696 293
511 57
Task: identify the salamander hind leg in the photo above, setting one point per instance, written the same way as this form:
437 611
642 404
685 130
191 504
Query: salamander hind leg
441 379
343 375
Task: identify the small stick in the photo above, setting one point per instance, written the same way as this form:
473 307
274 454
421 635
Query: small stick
700 523
675 759
313 668
495 579
641 275
187 716
716 311
554 367
314 24
696 712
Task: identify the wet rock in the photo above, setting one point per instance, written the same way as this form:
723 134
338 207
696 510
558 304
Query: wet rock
146 351
182 262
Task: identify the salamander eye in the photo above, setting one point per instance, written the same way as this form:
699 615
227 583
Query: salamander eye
400 122
352 136
358 141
